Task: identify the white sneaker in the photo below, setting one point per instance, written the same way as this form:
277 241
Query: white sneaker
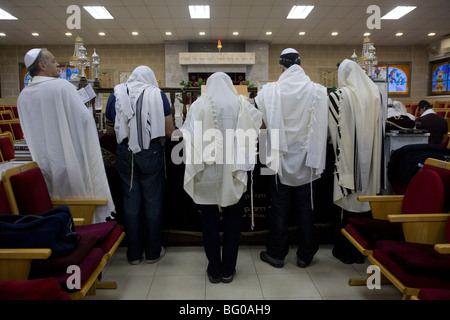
163 252
135 262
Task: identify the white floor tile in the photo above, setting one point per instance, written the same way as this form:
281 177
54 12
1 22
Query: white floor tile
181 275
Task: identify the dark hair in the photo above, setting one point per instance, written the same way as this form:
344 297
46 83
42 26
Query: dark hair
290 59
34 68
424 104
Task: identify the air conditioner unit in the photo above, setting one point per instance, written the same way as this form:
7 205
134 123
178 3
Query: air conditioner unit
445 45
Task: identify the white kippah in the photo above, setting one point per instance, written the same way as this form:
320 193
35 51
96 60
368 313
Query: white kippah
289 50
31 56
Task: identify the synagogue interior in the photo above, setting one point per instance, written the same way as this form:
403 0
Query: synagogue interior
407 57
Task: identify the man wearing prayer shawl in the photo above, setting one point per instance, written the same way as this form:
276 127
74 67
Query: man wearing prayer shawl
295 114
142 120
355 127
220 135
62 135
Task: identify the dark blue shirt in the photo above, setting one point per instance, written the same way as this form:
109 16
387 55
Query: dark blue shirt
110 112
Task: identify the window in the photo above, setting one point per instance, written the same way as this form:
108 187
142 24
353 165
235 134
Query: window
439 75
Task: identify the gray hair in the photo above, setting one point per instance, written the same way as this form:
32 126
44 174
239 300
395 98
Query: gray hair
34 68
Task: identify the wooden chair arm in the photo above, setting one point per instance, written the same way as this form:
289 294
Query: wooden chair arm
423 228
81 208
419 217
79 221
15 264
80 202
443 248
383 205
14 254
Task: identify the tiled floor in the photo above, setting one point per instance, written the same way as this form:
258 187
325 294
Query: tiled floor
180 275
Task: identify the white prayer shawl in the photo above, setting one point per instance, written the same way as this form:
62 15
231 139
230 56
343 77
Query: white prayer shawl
355 128
139 127
296 108
62 137
217 163
399 109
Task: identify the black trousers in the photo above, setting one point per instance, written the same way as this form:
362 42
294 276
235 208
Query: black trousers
284 200
222 262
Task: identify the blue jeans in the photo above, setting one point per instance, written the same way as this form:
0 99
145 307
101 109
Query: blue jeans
143 204
222 264
284 201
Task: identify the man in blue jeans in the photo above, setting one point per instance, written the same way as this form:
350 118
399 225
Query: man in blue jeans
142 119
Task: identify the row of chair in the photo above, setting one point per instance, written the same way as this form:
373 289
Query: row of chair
23 191
12 108
408 235
7 152
14 127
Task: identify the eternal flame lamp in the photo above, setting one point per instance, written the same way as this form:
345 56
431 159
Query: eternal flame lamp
219 45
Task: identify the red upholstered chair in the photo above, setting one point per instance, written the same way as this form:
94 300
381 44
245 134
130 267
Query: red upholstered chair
432 294
423 259
7 146
17 130
364 233
28 194
38 289
414 108
5 208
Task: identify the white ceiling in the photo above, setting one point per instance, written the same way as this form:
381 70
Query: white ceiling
251 18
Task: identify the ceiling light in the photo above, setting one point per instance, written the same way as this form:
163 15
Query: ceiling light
302 33
98 12
366 34
235 33
268 33
432 34
334 33
299 12
101 33
6 16
135 33
168 33
68 34
199 12
202 33
399 34
398 12
35 34
2 34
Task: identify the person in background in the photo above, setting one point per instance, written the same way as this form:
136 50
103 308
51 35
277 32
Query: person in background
435 124
142 119
217 181
397 108
294 112
62 135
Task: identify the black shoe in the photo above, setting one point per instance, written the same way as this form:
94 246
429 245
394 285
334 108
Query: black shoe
228 279
263 256
345 258
303 264
359 258
213 280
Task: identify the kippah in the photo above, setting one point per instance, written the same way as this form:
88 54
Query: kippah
31 56
289 57
289 50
